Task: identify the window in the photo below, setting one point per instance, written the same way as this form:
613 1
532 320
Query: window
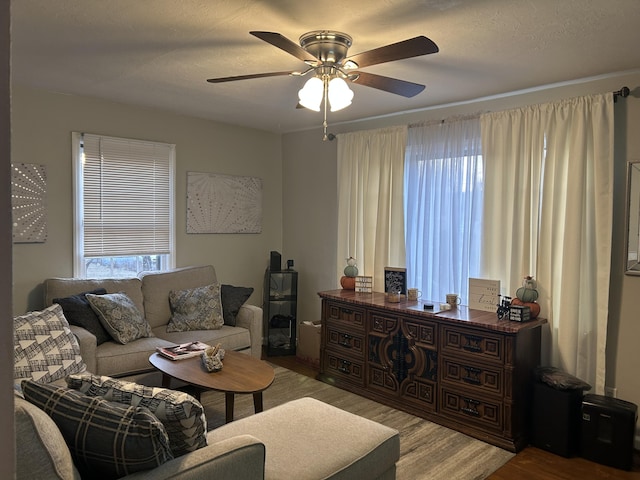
443 194
123 202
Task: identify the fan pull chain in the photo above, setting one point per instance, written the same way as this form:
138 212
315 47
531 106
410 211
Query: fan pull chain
325 82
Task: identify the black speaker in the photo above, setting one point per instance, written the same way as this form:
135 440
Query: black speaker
555 420
608 426
275 262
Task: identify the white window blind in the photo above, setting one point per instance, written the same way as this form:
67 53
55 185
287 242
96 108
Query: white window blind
126 196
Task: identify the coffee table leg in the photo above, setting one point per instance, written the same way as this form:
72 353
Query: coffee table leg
166 381
229 401
257 402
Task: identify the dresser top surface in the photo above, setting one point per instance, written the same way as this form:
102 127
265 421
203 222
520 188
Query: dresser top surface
460 315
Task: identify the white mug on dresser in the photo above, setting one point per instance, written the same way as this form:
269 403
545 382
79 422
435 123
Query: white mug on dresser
453 299
413 294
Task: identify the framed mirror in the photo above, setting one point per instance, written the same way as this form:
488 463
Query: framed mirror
632 257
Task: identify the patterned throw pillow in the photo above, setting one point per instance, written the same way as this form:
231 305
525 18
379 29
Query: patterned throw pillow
120 316
196 309
78 312
182 415
106 440
232 299
44 349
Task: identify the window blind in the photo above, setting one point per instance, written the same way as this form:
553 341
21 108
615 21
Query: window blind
127 190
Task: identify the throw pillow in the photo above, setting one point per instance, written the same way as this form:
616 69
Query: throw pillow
119 316
106 440
78 312
232 299
197 308
182 415
44 349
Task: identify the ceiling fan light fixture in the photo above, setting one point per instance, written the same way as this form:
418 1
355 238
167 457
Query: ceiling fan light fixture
340 95
311 94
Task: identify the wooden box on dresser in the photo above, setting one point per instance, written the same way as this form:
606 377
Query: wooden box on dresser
461 368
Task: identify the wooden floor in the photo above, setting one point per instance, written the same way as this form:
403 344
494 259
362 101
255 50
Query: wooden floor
530 464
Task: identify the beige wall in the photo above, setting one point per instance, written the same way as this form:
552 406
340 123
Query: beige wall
310 210
42 124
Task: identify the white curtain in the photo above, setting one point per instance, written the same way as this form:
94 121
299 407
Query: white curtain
548 213
443 195
370 215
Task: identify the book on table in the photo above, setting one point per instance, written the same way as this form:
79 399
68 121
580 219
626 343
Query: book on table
182 351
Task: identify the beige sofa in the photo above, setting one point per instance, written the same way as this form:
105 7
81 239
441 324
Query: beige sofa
301 439
150 293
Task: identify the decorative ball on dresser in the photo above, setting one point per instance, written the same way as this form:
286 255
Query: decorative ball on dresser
348 281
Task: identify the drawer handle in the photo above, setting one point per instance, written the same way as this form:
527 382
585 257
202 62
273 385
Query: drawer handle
344 367
473 380
345 342
346 311
471 409
474 344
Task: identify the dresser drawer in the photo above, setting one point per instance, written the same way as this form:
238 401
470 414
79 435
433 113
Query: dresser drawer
471 409
345 341
472 343
344 367
345 315
472 376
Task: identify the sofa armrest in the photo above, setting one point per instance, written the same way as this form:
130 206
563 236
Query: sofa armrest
250 317
88 345
241 457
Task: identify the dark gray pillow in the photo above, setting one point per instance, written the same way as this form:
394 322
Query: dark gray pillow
232 299
78 312
107 440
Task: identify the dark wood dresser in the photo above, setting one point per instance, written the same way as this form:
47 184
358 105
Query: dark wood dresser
460 368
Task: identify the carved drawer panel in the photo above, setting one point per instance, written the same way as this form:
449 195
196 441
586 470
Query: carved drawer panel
344 367
411 389
422 332
476 376
471 409
346 315
345 341
482 345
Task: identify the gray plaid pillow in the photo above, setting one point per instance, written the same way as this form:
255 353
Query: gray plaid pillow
106 440
182 415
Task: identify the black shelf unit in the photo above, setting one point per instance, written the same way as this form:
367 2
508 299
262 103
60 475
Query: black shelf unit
280 311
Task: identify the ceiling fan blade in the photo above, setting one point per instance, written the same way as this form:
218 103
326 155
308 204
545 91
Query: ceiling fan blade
413 47
283 43
248 77
388 84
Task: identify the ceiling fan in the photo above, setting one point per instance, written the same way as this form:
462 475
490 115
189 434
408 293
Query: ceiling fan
325 54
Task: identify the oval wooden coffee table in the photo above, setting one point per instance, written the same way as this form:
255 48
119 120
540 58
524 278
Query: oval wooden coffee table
241 373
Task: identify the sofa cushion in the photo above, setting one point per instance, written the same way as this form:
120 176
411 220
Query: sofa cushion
119 316
197 308
351 446
106 440
78 311
232 299
182 415
44 349
157 285
64 287
41 451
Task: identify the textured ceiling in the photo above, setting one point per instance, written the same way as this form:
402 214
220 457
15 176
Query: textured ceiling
159 53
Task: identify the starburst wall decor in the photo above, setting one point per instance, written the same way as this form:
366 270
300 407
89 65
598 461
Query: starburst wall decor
223 203
29 202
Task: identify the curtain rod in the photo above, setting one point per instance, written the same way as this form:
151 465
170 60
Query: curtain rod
623 92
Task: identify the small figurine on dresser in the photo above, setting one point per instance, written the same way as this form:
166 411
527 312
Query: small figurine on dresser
348 281
527 295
